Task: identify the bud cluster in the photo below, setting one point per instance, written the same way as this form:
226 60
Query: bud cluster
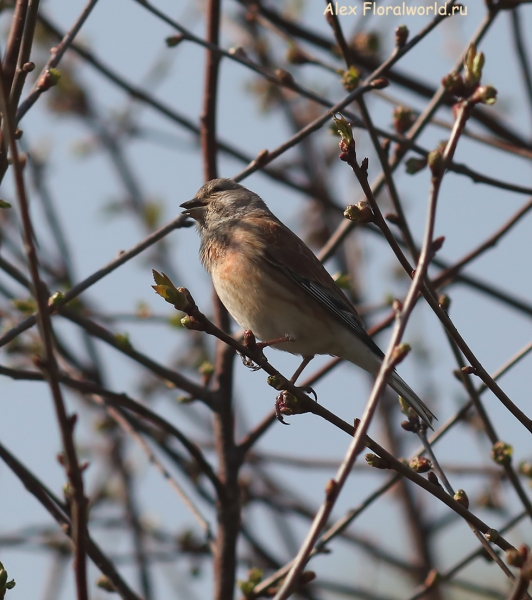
501 453
359 213
467 86
347 142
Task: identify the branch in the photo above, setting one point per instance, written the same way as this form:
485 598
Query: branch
49 364
59 513
56 53
79 288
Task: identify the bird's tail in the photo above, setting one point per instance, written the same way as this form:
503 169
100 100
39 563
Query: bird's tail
411 398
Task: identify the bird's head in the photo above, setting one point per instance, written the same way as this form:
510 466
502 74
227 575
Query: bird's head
221 201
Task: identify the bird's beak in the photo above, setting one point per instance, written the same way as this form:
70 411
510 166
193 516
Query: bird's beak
193 208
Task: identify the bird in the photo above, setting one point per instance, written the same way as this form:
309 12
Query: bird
272 283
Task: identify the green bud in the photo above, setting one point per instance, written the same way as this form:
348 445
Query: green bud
206 369
56 298
4 583
478 63
351 79
403 119
161 278
174 40
473 64
445 302
501 453
171 295
104 583
399 353
461 497
151 214
276 382
4 204
469 61
359 213
175 320
247 586
485 94
54 76
414 165
333 130
255 575
525 468
376 461
420 464
401 35
25 306
492 535
179 297
123 342
435 162
296 56
68 491
188 322
388 298
343 128
407 409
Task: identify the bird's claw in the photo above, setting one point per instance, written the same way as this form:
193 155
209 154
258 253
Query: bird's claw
279 401
308 390
247 362
288 404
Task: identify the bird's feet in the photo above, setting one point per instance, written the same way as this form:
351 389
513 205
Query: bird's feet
280 408
287 404
250 342
247 362
309 390
281 340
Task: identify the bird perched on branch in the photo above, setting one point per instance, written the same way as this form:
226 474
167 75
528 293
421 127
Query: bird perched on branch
273 284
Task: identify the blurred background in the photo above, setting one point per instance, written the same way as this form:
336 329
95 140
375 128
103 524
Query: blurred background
112 150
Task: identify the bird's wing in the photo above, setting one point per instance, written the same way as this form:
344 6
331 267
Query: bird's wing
292 257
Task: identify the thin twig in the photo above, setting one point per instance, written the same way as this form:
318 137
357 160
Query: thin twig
522 55
49 364
80 287
59 512
24 54
124 423
56 54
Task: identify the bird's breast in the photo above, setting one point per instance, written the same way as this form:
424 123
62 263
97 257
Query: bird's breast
261 299
249 292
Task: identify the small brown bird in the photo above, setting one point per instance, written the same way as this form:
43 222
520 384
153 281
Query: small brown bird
272 283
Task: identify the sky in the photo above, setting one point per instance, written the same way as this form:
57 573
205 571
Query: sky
83 184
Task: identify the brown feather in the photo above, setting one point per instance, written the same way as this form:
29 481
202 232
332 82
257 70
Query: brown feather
285 249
